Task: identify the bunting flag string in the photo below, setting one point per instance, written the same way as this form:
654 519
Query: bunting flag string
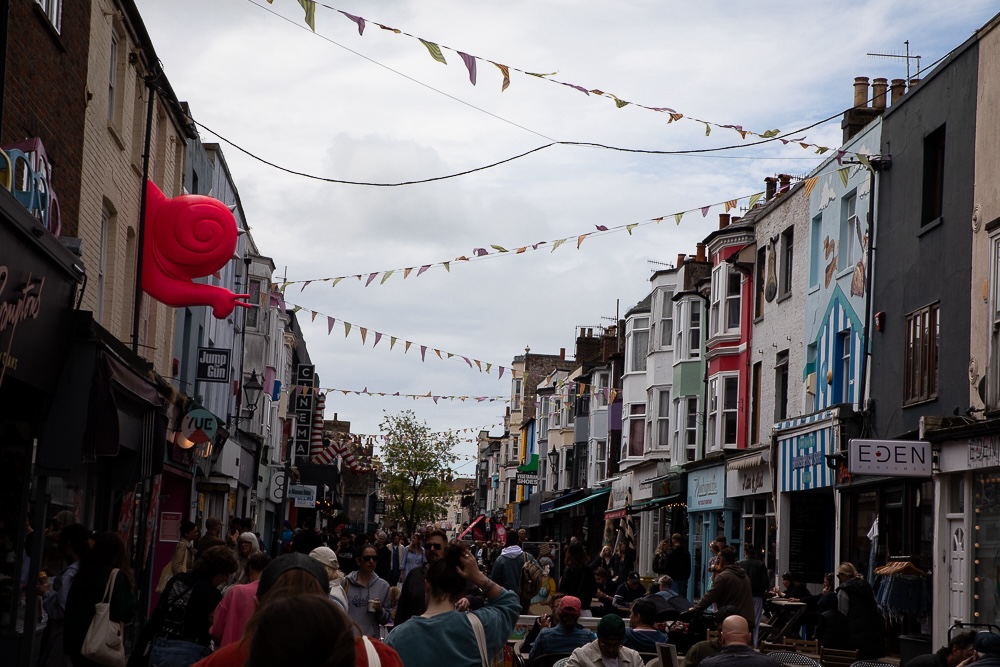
498 250
474 364
323 391
370 439
435 50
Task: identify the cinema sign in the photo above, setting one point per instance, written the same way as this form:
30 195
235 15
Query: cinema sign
898 458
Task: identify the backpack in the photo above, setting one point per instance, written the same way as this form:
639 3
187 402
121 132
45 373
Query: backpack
531 578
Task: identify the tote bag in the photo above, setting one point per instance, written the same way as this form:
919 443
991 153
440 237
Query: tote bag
103 643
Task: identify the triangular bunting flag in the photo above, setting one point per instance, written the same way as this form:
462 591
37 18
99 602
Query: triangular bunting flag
406 348
506 75
447 266
470 64
314 314
392 342
347 329
499 248
423 353
730 205
304 285
378 337
629 228
371 277
810 183
406 273
364 333
329 325
754 199
579 240
704 211
310 8
677 217
336 280
423 268
439 355
844 173
501 372
357 19
558 243
386 275
434 50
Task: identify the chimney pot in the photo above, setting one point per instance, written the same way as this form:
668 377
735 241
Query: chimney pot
680 260
701 252
898 89
914 82
723 220
770 185
878 93
861 92
562 353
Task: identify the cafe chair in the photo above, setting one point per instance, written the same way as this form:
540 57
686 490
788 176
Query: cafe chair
810 646
793 658
831 657
547 660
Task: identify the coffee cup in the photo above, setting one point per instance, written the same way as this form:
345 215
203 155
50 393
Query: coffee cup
371 604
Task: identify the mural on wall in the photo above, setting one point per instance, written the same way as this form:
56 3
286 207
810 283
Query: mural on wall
188 237
858 278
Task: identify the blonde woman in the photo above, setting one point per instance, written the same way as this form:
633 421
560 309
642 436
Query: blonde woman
328 558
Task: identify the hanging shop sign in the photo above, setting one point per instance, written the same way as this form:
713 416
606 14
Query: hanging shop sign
213 364
900 458
199 426
304 496
707 489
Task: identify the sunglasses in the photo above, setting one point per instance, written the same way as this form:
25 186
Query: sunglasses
434 545
369 558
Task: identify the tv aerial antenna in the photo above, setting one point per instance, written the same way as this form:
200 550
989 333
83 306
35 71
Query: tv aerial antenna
904 56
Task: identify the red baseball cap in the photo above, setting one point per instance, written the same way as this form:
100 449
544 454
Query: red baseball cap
569 605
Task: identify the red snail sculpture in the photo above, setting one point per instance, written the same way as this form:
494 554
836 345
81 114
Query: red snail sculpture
188 237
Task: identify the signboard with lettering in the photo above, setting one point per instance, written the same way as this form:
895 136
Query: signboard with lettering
706 489
304 496
749 481
213 364
900 458
199 426
984 452
527 478
302 406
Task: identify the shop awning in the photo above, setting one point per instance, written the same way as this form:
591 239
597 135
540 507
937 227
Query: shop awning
593 496
654 503
746 462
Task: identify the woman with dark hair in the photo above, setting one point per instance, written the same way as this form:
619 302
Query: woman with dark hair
443 636
304 630
182 619
295 576
89 584
367 594
578 579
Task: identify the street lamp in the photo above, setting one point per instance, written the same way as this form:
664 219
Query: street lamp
251 395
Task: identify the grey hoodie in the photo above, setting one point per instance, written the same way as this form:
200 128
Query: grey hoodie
358 596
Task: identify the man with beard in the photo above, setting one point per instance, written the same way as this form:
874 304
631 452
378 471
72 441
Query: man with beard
412 598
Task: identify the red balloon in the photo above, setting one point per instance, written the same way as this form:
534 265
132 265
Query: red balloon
188 237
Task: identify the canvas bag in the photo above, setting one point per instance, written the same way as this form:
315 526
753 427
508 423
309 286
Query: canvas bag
103 642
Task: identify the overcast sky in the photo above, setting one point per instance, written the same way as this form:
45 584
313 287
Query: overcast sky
378 108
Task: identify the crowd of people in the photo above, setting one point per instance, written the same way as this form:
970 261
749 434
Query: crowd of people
346 599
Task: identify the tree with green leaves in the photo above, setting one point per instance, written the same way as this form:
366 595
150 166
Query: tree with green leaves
416 469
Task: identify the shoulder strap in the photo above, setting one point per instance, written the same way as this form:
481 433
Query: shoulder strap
110 586
373 659
477 629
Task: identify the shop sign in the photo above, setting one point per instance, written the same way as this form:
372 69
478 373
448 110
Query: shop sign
199 426
213 364
304 496
984 452
749 481
619 491
900 458
527 478
706 489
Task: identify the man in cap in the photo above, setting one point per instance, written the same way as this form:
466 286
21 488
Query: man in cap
736 650
566 636
987 646
630 591
607 650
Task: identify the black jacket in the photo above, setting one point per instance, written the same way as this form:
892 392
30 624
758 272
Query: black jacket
757 572
679 563
865 625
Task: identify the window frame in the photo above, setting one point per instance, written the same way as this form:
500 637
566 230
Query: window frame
815 241
759 282
781 379
787 263
602 392
848 222
666 321
516 393
637 343
636 419
935 152
722 300
253 313
543 417
663 407
52 9
921 384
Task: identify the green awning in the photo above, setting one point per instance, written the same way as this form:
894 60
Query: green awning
593 496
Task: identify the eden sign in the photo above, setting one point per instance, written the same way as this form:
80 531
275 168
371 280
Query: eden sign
900 458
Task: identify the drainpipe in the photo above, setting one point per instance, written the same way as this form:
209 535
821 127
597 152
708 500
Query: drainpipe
877 165
141 239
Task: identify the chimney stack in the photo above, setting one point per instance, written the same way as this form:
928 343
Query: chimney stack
770 185
878 93
562 354
701 252
723 220
860 92
680 260
897 90
786 181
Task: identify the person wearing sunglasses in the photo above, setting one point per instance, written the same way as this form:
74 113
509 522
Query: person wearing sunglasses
366 592
413 597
